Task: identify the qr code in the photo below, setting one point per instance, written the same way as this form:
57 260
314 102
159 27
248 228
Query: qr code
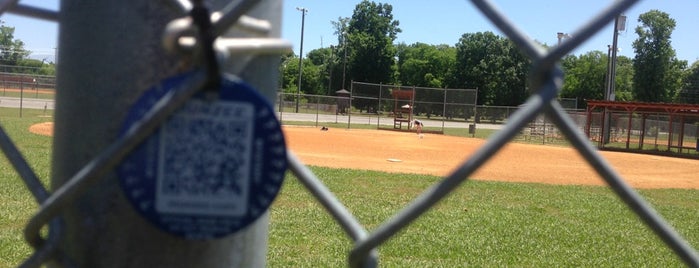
204 159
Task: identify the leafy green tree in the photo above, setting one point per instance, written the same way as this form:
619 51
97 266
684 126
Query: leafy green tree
11 49
690 86
310 84
319 56
40 67
624 79
370 34
658 73
585 76
424 65
325 60
494 66
288 69
340 55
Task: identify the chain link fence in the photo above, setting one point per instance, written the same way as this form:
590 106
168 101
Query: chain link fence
16 81
649 133
546 80
449 108
383 106
27 91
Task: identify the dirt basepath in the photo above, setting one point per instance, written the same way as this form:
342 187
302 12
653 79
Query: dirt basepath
439 155
401 152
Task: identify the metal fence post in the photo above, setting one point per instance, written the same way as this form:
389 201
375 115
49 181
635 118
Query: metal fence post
110 53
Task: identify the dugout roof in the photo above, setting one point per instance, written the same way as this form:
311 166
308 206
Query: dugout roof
646 107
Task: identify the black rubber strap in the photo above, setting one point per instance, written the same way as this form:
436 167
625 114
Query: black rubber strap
201 18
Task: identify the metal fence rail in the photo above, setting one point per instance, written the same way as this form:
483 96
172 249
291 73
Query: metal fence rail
546 78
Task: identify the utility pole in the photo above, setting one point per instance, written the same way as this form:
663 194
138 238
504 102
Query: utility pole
330 66
609 92
619 25
561 36
344 61
298 89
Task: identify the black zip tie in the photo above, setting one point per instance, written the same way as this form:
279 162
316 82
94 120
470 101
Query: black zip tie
201 18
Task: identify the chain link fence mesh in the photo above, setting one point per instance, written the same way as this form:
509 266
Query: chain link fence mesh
546 79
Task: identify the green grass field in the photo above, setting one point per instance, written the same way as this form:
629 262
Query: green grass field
18 204
482 224
28 93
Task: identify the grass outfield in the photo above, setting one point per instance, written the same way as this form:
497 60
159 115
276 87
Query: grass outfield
491 224
488 224
17 203
28 93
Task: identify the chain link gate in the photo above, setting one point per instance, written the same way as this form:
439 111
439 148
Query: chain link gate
546 77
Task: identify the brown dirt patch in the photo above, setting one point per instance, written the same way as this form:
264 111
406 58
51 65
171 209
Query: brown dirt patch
45 129
439 155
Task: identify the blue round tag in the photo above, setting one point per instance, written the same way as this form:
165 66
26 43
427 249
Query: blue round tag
212 168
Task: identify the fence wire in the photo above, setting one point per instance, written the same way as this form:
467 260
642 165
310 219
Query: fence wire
546 77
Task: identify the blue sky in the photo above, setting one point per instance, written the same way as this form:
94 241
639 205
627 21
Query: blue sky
444 21
441 22
39 36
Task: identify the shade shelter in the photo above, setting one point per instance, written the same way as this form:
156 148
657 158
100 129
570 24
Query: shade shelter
660 127
343 102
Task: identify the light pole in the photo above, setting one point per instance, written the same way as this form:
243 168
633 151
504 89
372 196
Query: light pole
298 89
609 92
561 36
619 25
344 60
282 71
330 66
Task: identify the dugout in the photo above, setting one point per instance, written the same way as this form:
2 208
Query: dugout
658 128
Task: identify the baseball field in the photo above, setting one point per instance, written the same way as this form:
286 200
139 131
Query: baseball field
404 152
484 223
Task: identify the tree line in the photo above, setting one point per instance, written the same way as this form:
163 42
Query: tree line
14 58
366 52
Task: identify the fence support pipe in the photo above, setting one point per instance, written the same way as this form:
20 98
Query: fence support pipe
110 54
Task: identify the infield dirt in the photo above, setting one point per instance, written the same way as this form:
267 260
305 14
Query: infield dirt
402 152
439 155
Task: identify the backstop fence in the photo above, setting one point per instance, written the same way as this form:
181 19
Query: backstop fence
382 105
17 81
439 109
27 90
83 179
385 106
